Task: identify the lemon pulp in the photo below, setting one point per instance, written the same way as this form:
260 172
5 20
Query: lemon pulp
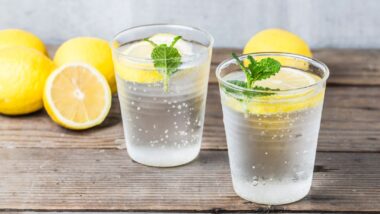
77 96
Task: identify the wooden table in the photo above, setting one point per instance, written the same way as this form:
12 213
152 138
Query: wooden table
47 168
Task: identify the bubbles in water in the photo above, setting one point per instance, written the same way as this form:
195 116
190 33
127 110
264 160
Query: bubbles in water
255 181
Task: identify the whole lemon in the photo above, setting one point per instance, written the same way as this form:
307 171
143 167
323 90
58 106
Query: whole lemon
277 40
93 51
17 37
23 72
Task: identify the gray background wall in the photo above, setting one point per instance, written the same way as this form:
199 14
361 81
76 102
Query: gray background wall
322 23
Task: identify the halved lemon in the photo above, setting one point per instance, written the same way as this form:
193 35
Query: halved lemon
77 96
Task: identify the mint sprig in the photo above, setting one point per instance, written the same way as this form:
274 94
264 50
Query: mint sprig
258 70
255 71
166 59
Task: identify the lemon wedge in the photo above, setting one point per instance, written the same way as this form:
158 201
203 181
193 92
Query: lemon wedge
77 96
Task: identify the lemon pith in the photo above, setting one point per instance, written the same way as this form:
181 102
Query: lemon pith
77 96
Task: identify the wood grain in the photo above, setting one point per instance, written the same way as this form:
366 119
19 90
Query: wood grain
347 67
350 123
95 179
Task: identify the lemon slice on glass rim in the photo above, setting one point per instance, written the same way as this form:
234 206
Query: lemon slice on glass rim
77 96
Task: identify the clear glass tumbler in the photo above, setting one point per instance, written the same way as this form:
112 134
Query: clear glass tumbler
272 136
163 115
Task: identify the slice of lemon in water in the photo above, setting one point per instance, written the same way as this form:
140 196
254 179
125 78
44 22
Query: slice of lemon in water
286 79
136 65
289 78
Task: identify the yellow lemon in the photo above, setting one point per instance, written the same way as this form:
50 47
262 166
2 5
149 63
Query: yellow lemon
23 72
277 40
93 51
134 61
17 37
286 79
77 96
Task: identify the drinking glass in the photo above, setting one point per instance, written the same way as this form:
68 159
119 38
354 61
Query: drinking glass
272 134
162 118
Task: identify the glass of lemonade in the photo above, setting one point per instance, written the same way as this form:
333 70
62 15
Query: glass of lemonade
163 114
272 134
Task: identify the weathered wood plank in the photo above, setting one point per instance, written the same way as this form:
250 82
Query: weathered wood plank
93 179
347 67
350 123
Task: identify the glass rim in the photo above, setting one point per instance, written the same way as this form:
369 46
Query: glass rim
189 58
225 63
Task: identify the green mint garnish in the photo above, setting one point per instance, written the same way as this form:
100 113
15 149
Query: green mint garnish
255 71
258 70
166 59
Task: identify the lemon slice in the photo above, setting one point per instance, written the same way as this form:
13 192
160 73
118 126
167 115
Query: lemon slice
142 70
77 96
286 79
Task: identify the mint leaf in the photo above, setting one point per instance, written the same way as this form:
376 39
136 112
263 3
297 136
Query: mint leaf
166 59
247 94
264 69
238 83
255 71
260 70
246 70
